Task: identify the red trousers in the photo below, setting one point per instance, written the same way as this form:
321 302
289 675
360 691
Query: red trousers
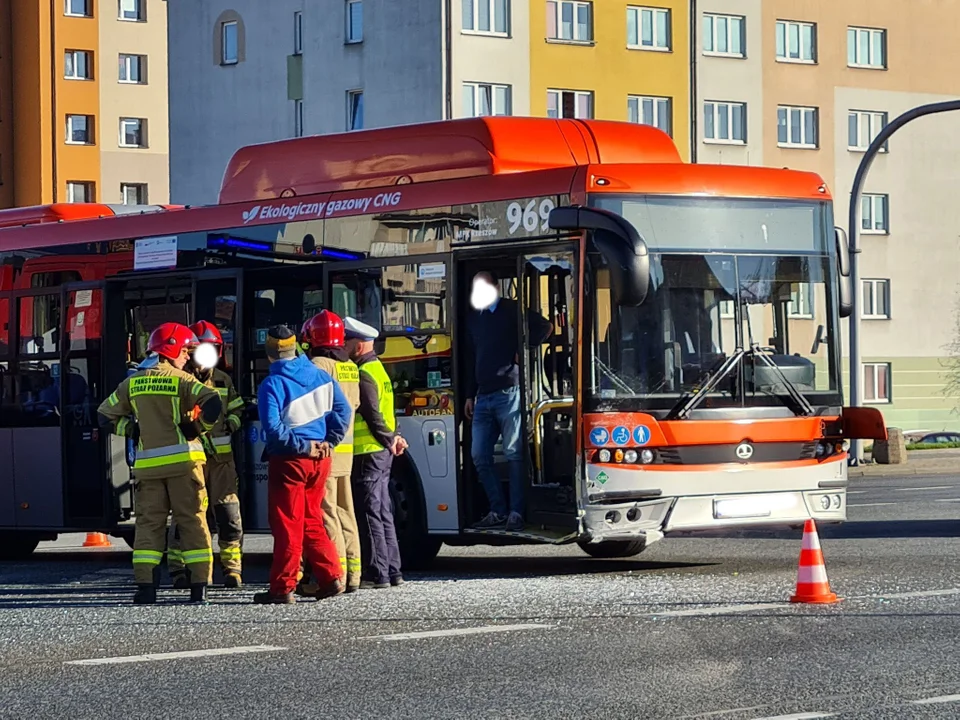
295 489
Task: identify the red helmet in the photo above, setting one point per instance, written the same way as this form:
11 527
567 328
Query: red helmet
325 329
170 339
207 332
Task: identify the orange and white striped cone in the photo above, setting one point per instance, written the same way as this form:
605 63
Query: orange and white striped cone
812 583
96 539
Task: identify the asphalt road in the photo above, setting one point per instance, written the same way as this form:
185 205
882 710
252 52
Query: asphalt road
696 627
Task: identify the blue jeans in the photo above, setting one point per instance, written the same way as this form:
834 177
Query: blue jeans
497 414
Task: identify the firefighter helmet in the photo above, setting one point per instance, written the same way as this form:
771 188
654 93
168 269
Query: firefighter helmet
325 329
207 332
170 338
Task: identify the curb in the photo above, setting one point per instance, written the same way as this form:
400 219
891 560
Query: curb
899 470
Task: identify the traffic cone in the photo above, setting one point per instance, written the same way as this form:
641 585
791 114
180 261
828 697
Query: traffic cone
812 583
96 539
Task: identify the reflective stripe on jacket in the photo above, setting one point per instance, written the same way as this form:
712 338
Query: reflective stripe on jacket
218 442
348 378
364 441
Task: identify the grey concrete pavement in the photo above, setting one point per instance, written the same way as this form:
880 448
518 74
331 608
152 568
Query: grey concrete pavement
695 627
919 462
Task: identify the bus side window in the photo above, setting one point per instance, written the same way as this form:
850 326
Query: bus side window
359 294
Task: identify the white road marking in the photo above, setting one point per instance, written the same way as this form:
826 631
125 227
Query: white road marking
800 716
176 655
948 500
720 610
457 631
938 700
932 487
868 504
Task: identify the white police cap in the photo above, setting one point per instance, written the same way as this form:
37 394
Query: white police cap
353 328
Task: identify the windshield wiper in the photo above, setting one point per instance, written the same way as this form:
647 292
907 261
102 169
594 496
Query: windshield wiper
612 376
685 406
803 405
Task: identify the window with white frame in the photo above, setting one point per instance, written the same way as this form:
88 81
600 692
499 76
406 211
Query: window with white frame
726 309
77 8
655 111
480 99
648 28
797 127
297 33
355 110
80 191
133 193
485 16
78 65
876 299
354 21
876 382
298 118
133 10
569 20
570 104
724 35
863 126
133 132
796 41
724 122
801 301
875 214
229 43
132 69
79 130
867 48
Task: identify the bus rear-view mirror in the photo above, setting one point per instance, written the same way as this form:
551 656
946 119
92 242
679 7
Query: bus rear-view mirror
619 243
843 265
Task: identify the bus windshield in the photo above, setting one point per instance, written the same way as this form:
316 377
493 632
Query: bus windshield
725 276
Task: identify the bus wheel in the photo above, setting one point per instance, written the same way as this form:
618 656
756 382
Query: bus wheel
417 548
611 549
17 545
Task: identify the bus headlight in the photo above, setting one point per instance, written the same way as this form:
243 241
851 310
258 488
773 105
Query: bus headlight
604 456
825 502
646 456
837 501
630 456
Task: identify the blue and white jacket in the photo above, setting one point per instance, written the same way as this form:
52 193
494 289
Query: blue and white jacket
299 403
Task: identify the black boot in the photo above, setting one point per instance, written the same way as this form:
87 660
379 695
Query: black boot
180 579
198 594
145 595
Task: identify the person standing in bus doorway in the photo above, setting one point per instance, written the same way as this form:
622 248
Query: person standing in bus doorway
375 444
304 415
493 406
323 335
170 458
220 472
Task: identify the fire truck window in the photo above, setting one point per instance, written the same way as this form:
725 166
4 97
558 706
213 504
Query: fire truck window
39 318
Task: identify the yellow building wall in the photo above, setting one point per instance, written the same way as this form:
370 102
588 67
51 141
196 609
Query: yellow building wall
610 69
77 97
6 106
32 157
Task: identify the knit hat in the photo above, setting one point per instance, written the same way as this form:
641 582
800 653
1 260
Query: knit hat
281 343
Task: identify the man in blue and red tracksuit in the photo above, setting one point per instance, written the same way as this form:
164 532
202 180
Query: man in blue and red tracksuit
304 414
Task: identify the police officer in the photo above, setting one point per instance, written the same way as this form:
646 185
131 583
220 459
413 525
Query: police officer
172 409
323 335
375 443
220 471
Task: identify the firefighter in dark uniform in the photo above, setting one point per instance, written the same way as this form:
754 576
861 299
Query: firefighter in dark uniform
375 444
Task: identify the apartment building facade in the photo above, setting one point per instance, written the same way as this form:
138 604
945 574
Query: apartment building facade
804 84
83 102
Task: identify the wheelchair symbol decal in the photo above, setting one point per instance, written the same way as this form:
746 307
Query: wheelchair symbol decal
621 435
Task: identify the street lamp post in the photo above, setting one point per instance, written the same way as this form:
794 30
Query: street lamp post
856 398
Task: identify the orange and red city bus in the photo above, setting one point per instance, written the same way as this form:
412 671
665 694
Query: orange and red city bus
692 380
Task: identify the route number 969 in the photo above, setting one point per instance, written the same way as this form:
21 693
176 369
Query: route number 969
535 213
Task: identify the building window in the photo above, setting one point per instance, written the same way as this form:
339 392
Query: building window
655 111
78 65
355 110
725 122
298 118
801 301
863 126
133 132
724 35
133 193
726 309
876 382
132 10
797 127
876 299
480 99
570 21
867 48
648 28
569 104
229 43
80 130
354 21
132 69
796 41
77 8
875 214
297 33
486 16
80 192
